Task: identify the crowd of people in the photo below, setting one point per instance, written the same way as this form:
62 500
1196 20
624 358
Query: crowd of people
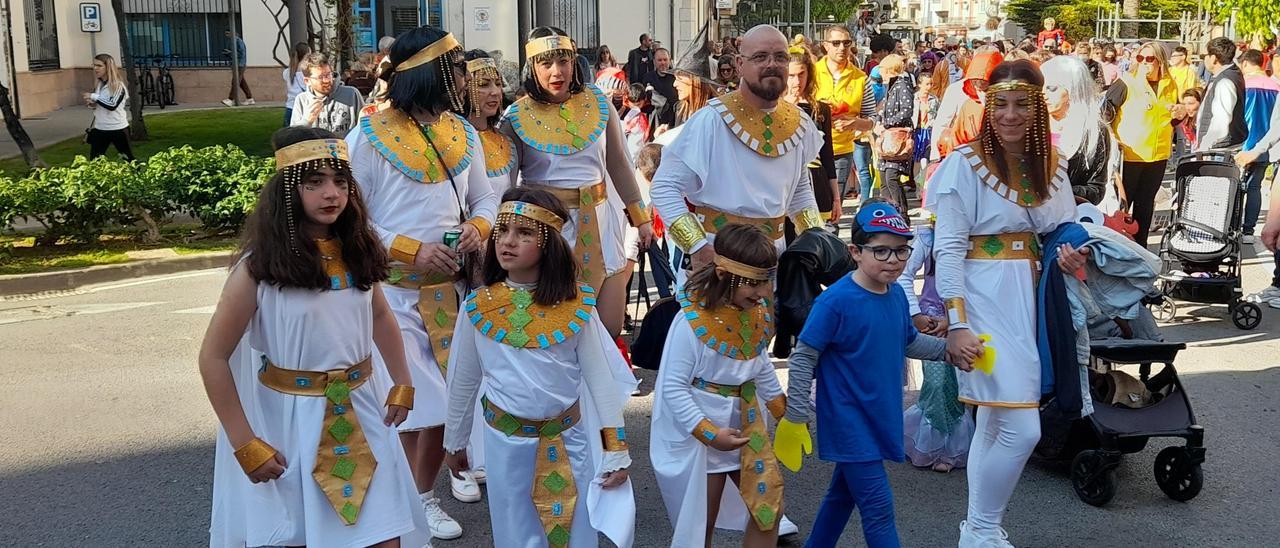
436 278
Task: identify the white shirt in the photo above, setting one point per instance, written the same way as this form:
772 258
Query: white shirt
1222 108
293 87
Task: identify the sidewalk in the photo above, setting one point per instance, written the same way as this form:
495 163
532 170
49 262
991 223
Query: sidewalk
59 125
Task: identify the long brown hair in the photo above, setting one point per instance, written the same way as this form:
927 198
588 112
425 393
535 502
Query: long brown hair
557 267
281 255
802 56
743 243
699 93
300 52
1040 163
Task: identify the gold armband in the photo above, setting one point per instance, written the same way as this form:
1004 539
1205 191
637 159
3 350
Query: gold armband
686 232
401 395
638 214
955 311
705 431
482 226
405 249
807 218
615 439
254 454
777 406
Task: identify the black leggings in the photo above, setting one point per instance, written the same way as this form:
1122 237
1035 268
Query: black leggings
891 185
1141 183
99 140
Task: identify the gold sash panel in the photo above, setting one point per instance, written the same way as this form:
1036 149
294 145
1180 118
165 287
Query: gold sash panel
587 247
761 481
437 305
713 220
344 463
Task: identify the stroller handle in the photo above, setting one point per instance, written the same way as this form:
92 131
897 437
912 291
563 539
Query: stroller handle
1224 155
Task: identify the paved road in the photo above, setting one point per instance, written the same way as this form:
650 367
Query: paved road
108 438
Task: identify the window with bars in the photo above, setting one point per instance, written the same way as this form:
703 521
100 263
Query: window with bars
42 35
180 33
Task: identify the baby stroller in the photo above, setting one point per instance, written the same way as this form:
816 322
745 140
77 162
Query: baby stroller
1200 250
1093 445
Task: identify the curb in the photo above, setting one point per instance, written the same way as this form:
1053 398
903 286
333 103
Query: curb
21 284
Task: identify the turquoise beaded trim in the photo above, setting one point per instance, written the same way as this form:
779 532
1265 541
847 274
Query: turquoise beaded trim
516 315
723 345
418 175
513 116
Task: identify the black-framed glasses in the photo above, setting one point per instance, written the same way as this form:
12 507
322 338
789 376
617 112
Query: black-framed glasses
882 252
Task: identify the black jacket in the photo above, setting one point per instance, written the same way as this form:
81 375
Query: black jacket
1087 169
639 64
815 260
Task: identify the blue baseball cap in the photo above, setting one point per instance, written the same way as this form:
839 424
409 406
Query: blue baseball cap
881 217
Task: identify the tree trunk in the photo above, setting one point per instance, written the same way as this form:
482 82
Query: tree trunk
297 23
16 130
137 127
1130 11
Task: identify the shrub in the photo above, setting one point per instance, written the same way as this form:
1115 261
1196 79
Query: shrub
199 181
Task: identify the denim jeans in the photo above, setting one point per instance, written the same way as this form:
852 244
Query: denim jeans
1253 175
862 160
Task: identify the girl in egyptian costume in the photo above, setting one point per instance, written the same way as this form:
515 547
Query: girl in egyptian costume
307 452
994 198
421 168
554 387
714 387
569 141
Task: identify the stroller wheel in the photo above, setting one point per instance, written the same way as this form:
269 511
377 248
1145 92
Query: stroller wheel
1246 315
1176 475
1093 476
1165 310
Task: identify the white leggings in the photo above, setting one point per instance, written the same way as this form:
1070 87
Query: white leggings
1002 443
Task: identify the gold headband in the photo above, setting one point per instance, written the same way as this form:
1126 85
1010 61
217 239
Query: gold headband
531 211
539 46
745 271
1015 85
315 149
430 53
477 65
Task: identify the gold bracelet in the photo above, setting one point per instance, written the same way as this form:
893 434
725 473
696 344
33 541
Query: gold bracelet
777 406
402 395
807 218
254 454
405 249
482 226
956 313
686 232
638 214
615 439
705 431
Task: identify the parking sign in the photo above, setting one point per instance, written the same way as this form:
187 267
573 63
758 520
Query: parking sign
90 17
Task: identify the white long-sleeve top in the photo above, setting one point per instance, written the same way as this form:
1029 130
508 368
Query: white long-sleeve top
110 110
399 205
1222 109
921 248
710 166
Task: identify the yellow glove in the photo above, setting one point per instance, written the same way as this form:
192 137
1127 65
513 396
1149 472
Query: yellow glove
788 441
987 361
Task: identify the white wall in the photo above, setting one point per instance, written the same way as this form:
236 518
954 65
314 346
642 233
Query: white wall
504 26
621 24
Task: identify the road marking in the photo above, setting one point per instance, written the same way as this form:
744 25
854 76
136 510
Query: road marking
105 287
49 312
200 310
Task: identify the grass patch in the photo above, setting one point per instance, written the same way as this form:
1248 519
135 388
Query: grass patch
19 255
247 128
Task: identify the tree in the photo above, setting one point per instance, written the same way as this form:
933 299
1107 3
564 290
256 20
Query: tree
1130 9
16 131
137 126
1253 17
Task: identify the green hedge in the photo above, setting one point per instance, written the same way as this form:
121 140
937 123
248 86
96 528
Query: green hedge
218 185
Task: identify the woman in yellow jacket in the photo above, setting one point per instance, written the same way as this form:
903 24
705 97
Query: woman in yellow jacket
1141 103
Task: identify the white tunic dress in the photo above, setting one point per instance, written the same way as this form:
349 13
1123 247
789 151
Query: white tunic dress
537 384
681 462
313 331
999 294
400 205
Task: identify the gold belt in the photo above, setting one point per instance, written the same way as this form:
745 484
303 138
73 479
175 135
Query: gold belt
587 246
1005 247
554 492
761 481
344 463
713 220
437 305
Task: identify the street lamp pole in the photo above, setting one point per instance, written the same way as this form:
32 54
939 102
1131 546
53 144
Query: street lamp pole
808 18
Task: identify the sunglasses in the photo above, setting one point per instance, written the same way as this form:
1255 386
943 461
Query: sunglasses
840 43
1144 58
726 69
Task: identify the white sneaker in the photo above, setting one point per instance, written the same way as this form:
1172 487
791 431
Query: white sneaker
972 539
439 523
479 475
1267 295
250 102
786 527
1247 239
464 488
229 102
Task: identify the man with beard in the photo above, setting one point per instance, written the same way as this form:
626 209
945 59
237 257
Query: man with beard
326 104
742 158
662 84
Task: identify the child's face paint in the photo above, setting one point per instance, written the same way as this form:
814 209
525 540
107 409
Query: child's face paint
751 293
324 195
881 272
516 246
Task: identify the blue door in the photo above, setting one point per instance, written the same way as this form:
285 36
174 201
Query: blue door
365 25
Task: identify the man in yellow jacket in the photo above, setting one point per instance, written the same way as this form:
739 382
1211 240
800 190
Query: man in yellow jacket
848 90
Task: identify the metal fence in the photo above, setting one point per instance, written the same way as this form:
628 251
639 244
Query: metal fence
42 35
181 33
579 18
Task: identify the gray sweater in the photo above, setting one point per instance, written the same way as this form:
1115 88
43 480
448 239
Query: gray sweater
340 113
